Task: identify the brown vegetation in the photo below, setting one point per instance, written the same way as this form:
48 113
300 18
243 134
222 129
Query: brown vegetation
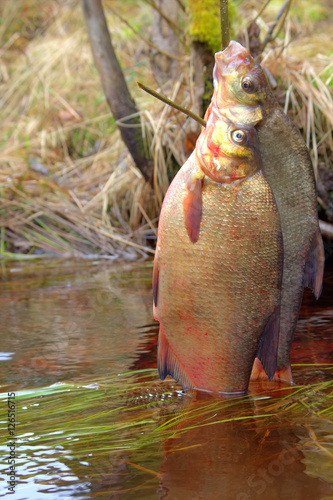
68 184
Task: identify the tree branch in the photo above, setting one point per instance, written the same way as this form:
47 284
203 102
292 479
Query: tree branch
282 12
171 23
172 104
119 99
146 40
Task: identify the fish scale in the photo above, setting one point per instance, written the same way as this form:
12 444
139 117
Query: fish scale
216 296
288 168
296 202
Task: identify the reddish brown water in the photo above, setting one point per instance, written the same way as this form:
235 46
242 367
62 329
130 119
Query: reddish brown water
107 435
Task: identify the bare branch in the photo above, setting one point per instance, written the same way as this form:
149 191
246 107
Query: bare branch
171 23
182 6
261 10
282 12
146 40
119 99
172 104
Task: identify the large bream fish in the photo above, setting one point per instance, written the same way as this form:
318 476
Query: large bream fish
218 265
242 95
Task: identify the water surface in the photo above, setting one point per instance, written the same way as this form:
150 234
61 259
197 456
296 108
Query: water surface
94 421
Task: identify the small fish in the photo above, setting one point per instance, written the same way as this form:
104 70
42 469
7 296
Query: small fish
242 95
217 295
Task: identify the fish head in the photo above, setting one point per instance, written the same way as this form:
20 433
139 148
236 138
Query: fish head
226 153
239 80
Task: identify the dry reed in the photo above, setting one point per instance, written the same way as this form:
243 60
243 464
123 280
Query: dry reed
68 187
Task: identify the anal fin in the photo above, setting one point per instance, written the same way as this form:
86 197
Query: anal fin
168 364
314 267
192 207
268 344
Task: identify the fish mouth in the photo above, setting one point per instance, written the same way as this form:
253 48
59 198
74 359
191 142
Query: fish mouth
233 56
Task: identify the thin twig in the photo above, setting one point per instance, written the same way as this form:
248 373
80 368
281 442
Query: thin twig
224 16
172 104
261 10
283 11
148 42
182 6
292 39
171 23
283 19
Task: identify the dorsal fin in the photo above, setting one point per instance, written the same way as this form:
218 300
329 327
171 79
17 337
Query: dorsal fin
156 274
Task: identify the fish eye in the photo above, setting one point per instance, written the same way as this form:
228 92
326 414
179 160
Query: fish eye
248 85
238 136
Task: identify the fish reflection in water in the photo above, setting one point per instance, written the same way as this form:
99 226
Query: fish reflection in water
115 449
236 460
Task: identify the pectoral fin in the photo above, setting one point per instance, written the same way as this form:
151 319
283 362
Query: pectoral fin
192 207
156 273
314 267
168 364
268 344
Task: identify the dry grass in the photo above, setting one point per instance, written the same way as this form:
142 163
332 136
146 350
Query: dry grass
67 184
301 62
309 97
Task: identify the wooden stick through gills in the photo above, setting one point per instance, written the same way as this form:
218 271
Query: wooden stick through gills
224 19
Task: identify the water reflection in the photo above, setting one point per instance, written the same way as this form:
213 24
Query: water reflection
237 460
67 332
72 325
